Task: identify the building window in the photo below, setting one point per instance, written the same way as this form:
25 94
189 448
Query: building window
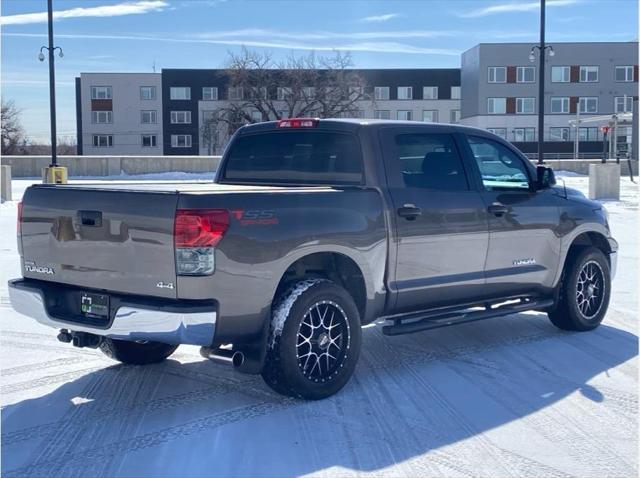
100 92
149 140
525 106
102 140
524 134
497 74
588 134
354 92
209 93
588 104
101 117
502 132
180 117
256 117
382 114
405 92
496 106
406 115
455 116
559 104
180 93
560 74
558 134
235 93
282 114
147 92
283 93
526 74
455 92
149 117
430 116
180 140
429 92
624 73
588 74
257 93
623 104
381 92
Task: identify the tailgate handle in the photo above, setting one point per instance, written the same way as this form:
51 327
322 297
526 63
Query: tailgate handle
90 218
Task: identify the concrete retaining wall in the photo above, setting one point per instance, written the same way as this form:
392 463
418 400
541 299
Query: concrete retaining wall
31 166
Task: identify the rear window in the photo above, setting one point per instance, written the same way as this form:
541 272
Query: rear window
297 157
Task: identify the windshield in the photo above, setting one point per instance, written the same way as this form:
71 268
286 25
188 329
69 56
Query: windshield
296 157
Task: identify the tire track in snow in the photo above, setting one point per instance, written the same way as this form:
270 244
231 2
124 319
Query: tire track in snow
47 380
22 369
77 460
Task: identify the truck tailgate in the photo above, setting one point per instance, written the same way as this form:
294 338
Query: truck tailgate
115 240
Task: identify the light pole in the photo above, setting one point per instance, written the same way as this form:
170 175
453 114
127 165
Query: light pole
52 82
532 57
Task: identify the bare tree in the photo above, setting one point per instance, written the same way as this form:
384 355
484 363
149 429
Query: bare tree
209 132
13 136
304 86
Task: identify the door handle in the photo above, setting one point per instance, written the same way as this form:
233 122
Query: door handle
498 209
409 212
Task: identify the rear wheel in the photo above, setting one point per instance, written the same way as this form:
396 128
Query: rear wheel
585 290
136 353
315 341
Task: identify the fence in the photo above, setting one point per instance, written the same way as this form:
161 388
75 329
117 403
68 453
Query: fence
96 166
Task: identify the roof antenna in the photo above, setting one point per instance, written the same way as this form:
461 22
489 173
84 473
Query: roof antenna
154 66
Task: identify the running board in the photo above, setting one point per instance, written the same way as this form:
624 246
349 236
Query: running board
430 321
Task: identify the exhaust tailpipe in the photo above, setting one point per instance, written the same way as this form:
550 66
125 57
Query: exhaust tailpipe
223 356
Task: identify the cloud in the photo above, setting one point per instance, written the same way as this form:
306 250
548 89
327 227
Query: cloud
515 7
324 35
380 18
120 9
282 43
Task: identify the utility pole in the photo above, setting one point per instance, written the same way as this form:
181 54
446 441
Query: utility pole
542 48
52 174
540 87
52 88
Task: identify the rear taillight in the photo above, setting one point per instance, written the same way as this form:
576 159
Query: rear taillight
19 223
196 233
298 123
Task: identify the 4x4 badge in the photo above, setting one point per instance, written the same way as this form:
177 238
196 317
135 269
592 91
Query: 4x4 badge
165 285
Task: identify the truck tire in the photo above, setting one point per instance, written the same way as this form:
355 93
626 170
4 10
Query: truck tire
314 341
585 289
136 353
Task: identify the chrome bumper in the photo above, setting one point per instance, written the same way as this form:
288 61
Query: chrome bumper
130 323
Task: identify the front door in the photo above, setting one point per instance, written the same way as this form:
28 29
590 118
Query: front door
523 222
440 222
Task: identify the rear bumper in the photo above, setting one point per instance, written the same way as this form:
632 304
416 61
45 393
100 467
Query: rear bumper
131 318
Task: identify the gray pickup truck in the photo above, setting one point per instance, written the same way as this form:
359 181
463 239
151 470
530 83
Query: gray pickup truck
311 229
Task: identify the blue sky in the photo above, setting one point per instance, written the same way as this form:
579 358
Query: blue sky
130 35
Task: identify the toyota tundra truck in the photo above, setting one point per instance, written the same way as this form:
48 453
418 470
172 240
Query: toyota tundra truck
310 230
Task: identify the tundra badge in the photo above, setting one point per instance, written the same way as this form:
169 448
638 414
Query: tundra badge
32 267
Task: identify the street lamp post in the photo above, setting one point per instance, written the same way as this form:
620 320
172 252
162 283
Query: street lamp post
52 82
541 49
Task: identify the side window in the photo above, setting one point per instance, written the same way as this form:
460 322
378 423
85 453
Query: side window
500 167
430 161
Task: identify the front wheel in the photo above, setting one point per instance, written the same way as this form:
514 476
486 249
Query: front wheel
314 341
136 353
585 290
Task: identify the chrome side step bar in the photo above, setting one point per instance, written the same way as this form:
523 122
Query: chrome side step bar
437 319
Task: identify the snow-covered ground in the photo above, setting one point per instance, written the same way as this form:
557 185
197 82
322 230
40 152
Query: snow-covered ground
501 398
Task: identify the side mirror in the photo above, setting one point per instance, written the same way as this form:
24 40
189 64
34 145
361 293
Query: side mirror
545 177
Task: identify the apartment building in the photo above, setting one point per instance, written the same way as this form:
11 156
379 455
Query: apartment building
119 114
592 80
114 114
496 88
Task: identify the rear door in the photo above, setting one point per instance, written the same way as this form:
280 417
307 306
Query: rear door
523 222
440 221
119 241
